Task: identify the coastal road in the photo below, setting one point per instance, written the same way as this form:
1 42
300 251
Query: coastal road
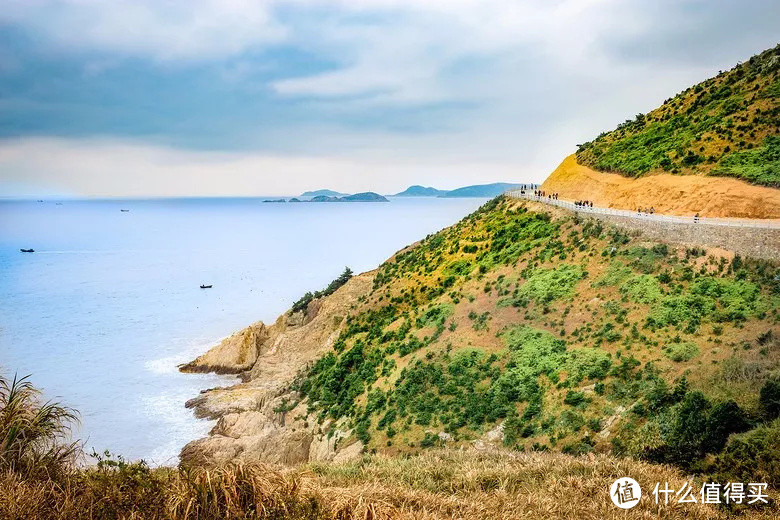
710 221
746 237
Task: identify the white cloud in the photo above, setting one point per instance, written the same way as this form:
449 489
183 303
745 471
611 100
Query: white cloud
160 29
453 91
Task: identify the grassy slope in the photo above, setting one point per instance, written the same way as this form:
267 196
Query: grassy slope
555 328
441 484
727 125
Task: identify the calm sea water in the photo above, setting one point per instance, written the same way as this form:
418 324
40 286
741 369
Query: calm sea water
109 303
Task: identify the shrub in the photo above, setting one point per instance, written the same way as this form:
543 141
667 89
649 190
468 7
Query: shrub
303 303
753 456
574 398
769 399
642 288
546 285
681 351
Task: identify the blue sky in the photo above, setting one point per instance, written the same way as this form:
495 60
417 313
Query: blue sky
169 97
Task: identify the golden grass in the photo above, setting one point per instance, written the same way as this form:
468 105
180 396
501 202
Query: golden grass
442 484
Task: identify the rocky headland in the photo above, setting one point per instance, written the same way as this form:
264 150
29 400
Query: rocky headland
261 418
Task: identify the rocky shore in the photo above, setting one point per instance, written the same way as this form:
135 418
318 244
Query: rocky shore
261 418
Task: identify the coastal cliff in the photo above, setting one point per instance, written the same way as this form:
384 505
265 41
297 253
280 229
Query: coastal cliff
261 418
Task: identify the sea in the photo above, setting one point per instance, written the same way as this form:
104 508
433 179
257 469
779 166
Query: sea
108 305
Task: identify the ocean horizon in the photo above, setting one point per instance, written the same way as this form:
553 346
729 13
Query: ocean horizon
110 302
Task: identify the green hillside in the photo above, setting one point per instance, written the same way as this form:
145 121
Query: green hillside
575 337
727 126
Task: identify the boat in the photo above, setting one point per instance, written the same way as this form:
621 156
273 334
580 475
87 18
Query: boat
27 250
124 210
205 286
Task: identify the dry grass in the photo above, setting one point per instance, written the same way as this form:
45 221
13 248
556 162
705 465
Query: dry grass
500 485
33 434
436 485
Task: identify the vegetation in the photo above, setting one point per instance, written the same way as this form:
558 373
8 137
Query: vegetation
33 434
549 331
438 485
727 125
552 335
303 303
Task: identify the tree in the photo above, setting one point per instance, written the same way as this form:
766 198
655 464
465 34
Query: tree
769 399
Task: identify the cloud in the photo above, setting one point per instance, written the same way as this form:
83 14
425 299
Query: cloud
160 29
501 85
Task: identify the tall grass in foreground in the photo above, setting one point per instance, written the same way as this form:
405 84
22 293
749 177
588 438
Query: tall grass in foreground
39 481
33 435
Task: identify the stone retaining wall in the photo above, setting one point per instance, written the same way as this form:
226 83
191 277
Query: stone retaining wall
748 242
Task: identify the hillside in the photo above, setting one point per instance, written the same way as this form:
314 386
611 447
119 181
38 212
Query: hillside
440 485
524 327
725 126
420 191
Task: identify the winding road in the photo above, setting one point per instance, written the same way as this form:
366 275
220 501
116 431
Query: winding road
655 217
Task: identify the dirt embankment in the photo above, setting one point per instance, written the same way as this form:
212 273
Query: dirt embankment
666 193
261 419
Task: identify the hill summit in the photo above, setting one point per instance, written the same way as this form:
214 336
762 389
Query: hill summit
420 191
524 326
725 126
676 158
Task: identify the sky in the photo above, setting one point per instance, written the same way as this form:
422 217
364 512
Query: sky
138 98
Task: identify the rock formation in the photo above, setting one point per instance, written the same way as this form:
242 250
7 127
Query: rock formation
262 418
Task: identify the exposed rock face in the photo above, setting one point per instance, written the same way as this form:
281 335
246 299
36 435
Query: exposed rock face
261 419
237 353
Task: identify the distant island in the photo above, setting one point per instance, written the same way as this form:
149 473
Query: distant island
477 190
322 193
481 190
368 196
420 191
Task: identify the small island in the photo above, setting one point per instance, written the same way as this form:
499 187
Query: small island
420 191
481 190
368 196
322 193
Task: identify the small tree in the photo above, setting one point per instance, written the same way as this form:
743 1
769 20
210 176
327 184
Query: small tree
769 399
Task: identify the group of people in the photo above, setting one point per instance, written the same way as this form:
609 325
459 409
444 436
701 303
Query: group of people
542 193
583 203
649 211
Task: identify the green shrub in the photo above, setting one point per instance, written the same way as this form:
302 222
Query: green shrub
769 399
642 288
759 165
546 285
574 398
303 303
681 351
753 456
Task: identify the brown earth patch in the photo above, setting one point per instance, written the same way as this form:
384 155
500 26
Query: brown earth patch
666 193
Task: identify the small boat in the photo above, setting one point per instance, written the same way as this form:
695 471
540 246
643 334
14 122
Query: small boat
27 250
124 210
205 286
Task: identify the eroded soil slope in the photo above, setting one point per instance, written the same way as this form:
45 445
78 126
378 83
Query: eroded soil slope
666 193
